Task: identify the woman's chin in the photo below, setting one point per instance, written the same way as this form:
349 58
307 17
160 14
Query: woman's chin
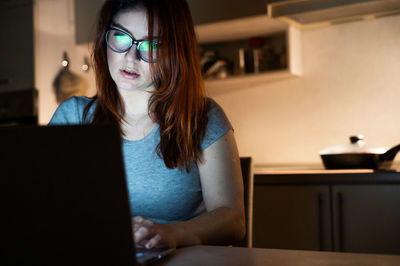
126 86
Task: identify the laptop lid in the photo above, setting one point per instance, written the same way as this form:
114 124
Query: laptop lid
63 197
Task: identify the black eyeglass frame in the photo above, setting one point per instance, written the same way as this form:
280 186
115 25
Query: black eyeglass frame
138 43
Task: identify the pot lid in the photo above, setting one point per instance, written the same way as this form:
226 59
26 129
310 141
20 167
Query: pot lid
356 145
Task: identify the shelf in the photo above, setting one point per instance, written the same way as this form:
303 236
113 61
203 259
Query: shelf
247 28
248 80
239 29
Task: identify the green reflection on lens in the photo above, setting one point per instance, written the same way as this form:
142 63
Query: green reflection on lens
145 46
123 39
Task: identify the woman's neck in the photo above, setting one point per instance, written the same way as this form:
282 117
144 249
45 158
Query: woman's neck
136 104
137 120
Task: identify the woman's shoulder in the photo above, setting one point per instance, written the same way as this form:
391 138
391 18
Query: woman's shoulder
213 108
211 104
76 102
70 111
218 123
215 113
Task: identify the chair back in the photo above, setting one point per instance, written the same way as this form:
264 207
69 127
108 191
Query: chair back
248 185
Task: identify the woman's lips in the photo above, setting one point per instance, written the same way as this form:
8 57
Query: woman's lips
129 74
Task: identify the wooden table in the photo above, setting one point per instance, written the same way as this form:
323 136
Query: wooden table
233 256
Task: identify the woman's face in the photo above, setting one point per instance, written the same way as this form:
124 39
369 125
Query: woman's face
128 71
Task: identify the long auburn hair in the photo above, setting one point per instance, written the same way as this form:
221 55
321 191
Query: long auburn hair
178 104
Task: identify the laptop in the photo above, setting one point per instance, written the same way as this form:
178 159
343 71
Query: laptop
63 198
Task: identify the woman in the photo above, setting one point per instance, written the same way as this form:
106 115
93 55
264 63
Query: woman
180 155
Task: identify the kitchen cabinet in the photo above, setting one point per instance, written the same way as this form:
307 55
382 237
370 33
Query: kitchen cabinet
211 11
292 217
18 97
366 218
17 58
328 212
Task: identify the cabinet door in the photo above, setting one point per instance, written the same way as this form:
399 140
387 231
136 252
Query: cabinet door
292 217
209 11
367 218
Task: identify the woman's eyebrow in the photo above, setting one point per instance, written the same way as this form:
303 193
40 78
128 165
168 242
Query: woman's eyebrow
125 29
121 27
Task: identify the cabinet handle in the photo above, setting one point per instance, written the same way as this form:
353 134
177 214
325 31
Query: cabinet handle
320 222
339 198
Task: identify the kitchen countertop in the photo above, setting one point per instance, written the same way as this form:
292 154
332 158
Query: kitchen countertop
316 174
312 168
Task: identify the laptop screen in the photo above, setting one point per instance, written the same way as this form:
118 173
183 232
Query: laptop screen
63 197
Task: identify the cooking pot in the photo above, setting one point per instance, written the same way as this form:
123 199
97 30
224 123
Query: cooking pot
357 155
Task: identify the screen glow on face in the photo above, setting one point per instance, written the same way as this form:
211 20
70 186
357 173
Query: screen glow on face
120 41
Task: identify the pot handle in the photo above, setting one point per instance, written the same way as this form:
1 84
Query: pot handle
390 154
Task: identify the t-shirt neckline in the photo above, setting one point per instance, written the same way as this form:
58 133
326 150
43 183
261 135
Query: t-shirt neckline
152 132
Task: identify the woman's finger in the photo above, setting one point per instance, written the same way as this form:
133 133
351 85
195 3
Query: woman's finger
136 227
147 223
153 242
137 219
142 221
141 234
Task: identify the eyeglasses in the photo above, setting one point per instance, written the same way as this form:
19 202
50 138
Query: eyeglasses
120 41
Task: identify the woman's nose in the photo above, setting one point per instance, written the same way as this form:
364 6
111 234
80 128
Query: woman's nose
131 54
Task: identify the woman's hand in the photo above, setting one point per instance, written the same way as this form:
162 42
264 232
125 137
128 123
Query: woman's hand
151 234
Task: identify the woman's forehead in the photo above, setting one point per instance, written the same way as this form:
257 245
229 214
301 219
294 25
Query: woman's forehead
134 21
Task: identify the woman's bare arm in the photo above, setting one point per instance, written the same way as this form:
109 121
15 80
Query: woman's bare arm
222 186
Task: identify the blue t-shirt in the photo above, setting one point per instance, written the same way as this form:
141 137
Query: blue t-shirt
155 192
